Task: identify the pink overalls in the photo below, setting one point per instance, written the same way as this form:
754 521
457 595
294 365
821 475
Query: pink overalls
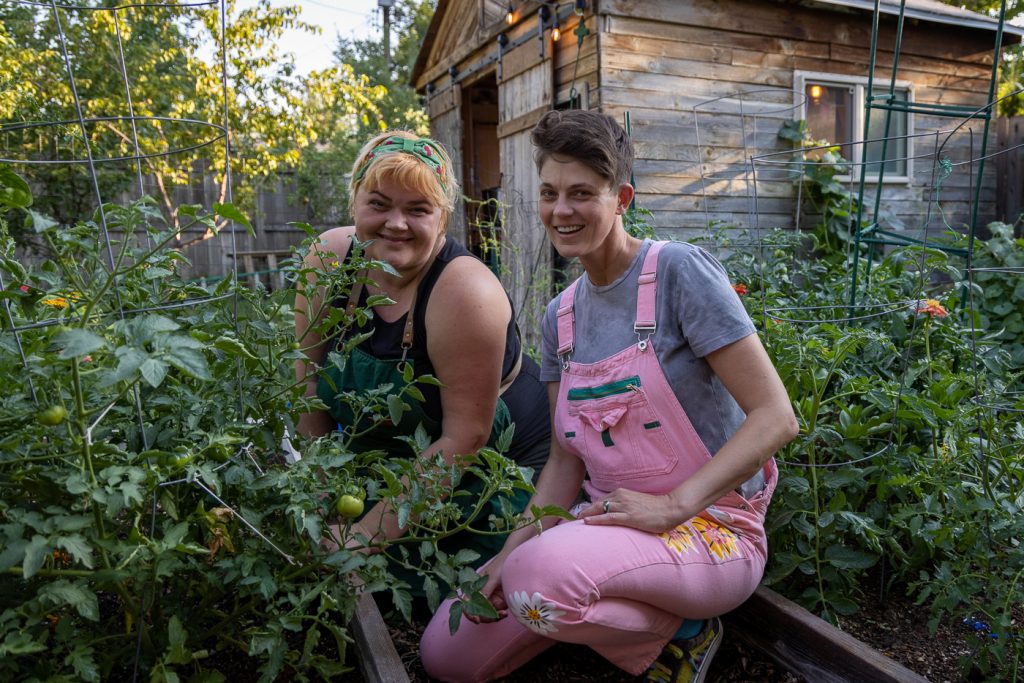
619 590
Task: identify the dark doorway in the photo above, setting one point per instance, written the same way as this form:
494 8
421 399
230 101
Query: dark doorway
482 169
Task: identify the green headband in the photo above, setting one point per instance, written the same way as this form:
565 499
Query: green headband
424 149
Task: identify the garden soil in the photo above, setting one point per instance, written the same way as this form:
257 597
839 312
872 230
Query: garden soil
896 627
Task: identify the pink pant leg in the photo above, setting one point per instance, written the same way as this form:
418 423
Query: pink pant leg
477 652
624 592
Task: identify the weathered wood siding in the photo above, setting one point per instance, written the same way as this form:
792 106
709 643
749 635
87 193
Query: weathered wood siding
446 128
660 59
525 93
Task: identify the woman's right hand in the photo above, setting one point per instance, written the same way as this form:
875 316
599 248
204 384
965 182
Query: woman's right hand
493 591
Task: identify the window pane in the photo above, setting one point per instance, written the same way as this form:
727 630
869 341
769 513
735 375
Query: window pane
895 141
830 113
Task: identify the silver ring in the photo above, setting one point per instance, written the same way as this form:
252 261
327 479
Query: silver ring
607 505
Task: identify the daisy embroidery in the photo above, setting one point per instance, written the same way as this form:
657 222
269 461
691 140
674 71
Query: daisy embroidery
721 541
679 539
534 612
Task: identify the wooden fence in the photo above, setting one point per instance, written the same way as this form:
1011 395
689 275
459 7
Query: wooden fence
1009 164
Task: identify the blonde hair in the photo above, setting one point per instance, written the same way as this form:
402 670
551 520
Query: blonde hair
372 169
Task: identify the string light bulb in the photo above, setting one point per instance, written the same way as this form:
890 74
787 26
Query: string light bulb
556 31
510 14
579 7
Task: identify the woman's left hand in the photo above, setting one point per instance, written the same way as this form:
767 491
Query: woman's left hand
642 511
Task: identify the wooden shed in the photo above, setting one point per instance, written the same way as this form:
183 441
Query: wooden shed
705 86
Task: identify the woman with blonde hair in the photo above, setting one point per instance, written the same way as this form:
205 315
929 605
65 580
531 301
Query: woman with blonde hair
450 318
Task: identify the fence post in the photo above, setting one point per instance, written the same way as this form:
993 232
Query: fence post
1009 161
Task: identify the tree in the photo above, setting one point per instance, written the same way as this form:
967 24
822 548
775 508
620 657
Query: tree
320 176
1011 69
172 58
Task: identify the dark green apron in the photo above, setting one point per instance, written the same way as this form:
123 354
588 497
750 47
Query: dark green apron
365 372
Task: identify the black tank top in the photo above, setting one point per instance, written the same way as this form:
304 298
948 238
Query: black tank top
526 399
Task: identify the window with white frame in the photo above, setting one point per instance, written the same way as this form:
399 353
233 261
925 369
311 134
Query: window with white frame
833 107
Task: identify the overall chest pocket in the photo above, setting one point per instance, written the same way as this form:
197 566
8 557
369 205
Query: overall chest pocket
617 432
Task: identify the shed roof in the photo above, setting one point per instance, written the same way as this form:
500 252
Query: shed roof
924 10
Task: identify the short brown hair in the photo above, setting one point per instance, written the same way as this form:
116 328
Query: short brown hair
594 139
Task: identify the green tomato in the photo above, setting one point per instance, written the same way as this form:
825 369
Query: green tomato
218 452
349 506
52 416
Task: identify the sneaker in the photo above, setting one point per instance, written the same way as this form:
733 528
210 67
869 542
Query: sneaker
687 661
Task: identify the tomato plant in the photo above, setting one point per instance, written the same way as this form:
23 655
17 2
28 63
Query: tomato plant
149 523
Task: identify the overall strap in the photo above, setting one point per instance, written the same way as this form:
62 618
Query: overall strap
567 320
646 294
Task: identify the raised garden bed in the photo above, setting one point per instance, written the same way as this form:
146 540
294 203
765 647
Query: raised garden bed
769 639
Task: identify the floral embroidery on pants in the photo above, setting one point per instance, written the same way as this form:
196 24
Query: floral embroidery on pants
679 539
721 540
534 612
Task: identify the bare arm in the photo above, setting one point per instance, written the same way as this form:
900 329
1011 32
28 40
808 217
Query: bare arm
748 374
309 308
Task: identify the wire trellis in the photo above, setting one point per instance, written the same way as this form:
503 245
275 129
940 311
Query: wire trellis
218 142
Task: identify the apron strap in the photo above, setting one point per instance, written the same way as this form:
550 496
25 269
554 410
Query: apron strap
407 333
567 320
646 294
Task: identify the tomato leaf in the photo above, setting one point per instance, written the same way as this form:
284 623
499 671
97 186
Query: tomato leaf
77 343
231 212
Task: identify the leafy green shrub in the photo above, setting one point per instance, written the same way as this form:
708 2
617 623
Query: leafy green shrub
909 449
148 520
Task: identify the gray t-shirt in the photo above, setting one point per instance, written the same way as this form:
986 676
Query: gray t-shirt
697 312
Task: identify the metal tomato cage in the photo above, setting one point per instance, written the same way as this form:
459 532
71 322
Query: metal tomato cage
217 139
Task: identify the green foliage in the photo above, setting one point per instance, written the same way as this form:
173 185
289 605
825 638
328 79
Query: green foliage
344 125
999 298
908 461
637 222
157 525
173 61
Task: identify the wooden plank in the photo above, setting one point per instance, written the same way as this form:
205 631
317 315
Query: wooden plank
444 101
809 646
1009 168
794 22
639 31
378 658
521 59
521 123
616 63
526 92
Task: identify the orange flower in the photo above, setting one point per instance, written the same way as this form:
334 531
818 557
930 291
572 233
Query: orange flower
740 288
61 558
59 301
931 307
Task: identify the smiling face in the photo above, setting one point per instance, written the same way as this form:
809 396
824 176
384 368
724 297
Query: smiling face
404 224
581 210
